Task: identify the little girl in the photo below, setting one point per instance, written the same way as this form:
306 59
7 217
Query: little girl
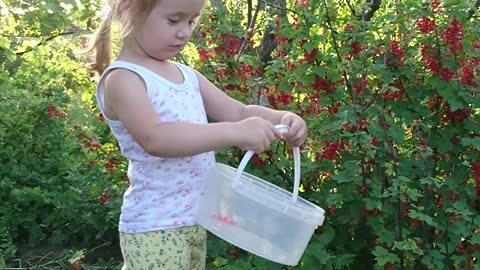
157 110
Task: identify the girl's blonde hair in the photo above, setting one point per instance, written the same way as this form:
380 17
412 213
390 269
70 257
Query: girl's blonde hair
130 14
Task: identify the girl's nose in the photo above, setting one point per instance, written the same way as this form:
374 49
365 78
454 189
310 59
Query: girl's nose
184 32
181 34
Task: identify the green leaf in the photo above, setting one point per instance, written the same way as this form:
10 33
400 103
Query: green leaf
471 142
327 236
383 256
263 264
239 264
448 92
433 259
309 263
462 208
2 262
371 204
398 133
351 168
302 69
430 181
219 261
416 214
407 245
380 251
344 261
309 46
77 256
475 239
443 145
413 194
319 71
317 250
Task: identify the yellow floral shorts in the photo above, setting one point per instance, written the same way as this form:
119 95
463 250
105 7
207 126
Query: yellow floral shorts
175 249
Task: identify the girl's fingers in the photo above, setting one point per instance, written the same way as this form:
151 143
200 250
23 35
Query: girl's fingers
297 138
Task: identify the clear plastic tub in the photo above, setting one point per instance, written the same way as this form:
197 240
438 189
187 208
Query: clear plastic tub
258 216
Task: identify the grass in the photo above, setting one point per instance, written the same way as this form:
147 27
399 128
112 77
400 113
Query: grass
103 257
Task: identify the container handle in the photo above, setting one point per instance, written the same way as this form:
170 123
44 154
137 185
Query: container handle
296 159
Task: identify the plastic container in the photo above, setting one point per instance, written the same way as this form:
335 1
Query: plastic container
258 216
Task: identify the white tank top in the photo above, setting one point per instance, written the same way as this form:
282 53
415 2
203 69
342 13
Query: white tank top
163 192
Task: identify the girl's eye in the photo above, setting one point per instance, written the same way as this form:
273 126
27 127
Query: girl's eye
172 21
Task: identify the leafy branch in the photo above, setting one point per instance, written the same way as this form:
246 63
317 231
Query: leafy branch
350 7
43 41
337 52
472 11
374 6
368 14
282 8
251 25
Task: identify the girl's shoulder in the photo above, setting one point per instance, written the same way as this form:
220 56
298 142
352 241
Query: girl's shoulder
184 66
187 70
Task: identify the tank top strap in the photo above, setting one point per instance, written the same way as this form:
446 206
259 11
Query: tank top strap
99 91
189 73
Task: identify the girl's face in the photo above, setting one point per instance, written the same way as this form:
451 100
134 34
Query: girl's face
168 27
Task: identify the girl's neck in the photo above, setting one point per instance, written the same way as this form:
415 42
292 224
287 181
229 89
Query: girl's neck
132 52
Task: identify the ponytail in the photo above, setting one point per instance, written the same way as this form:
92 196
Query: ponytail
99 49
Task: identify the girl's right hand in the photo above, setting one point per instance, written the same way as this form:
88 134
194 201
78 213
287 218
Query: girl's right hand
255 134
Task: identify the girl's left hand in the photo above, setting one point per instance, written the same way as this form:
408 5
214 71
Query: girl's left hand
298 129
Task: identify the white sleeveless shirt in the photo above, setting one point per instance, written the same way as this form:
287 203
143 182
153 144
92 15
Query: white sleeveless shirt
163 192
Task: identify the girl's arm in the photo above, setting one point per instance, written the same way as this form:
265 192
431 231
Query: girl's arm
221 107
126 100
